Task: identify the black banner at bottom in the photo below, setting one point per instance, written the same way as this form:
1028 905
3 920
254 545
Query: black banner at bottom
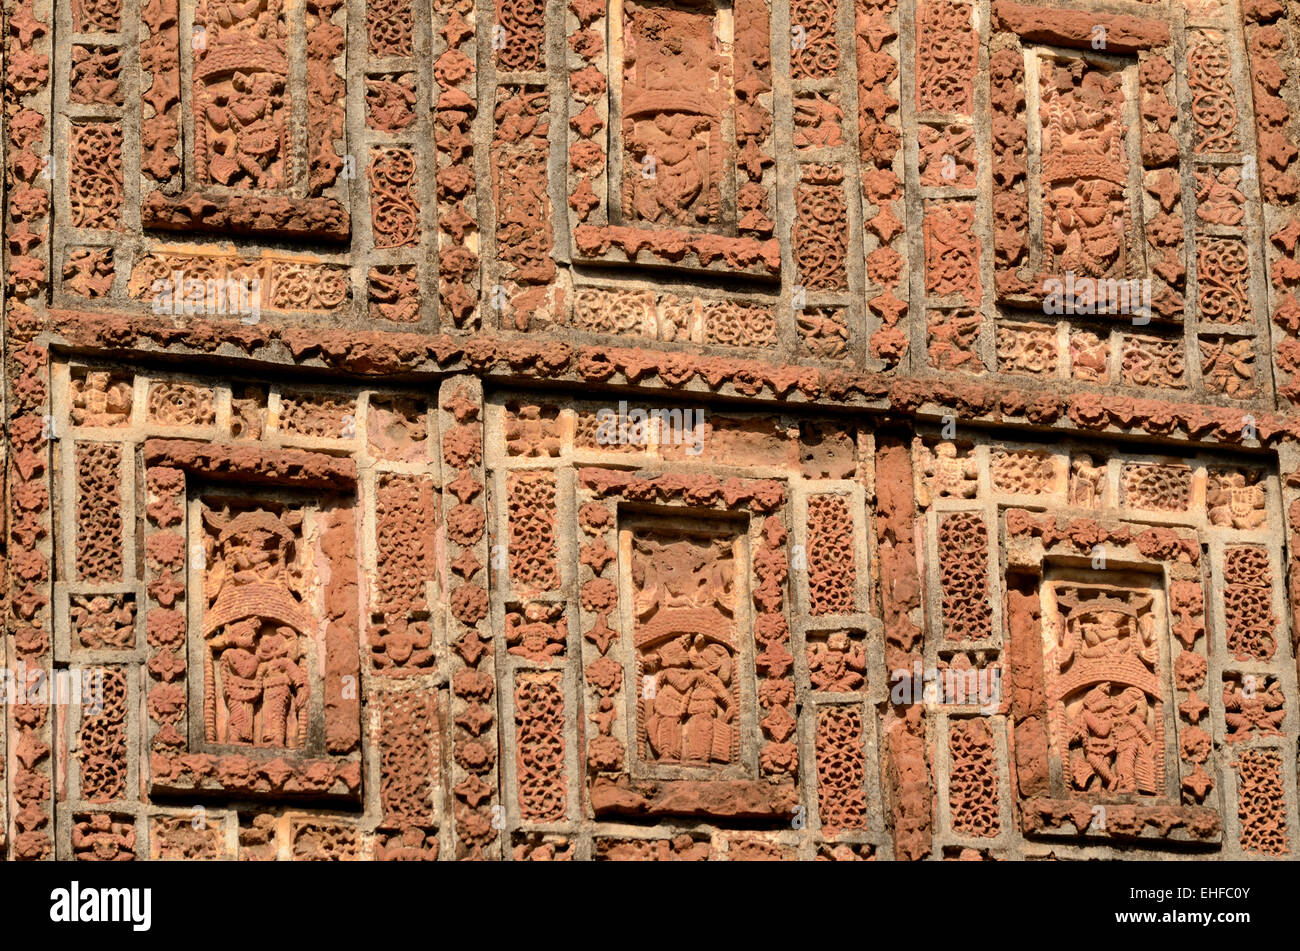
1061 902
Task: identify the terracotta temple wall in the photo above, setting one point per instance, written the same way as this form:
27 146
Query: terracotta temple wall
654 429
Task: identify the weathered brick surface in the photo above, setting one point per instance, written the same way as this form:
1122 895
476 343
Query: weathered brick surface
651 430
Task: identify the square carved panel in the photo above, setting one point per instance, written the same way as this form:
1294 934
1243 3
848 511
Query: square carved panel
220 538
1105 653
687 653
1071 157
257 647
255 631
1088 219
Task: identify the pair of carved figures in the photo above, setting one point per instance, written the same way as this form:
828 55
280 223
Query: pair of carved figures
1107 660
686 647
1112 741
253 628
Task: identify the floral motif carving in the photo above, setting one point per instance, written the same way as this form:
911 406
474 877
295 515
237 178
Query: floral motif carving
95 187
821 223
1213 108
395 213
519 183
951 250
533 564
102 736
99 512
963 560
1248 602
832 569
401 634
1262 803
973 781
947 54
841 770
390 27
1223 279
181 404
539 756
409 764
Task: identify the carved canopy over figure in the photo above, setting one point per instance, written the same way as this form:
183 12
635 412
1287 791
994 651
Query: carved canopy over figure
253 626
240 111
672 127
1107 655
686 647
1107 627
1085 170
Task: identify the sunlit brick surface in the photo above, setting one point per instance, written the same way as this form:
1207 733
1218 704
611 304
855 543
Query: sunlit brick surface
650 429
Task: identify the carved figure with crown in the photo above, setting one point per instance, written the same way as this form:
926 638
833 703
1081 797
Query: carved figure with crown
672 126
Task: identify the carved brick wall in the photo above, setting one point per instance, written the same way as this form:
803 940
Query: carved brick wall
650 429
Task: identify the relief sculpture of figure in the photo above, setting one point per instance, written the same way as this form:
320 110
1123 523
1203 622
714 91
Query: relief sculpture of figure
1107 628
100 400
1087 485
254 627
1108 655
1094 728
251 16
1134 755
686 644
692 710
243 137
236 646
1108 633
284 686
671 120
241 72
837 665
1084 171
